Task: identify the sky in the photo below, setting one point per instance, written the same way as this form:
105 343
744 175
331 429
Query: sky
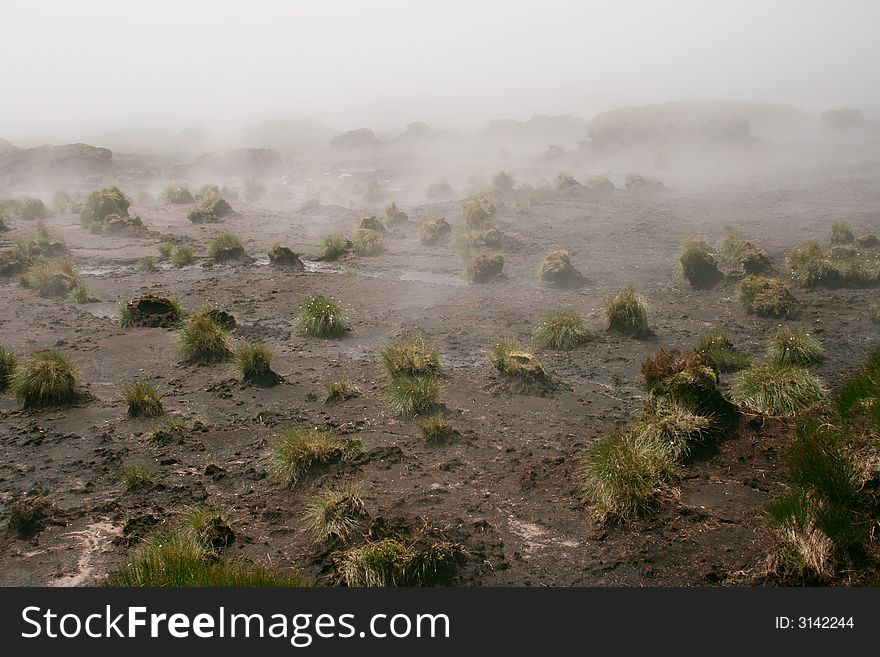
76 67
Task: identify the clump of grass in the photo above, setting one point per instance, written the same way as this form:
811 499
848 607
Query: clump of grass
794 347
434 231
102 204
477 211
143 399
165 250
874 312
841 267
599 184
557 269
43 242
151 310
335 513
298 450
206 527
283 256
226 247
410 354
628 312
321 317
777 391
183 256
689 380
178 194
623 475
211 210
767 297
859 396
394 216
172 430
367 242
45 378
562 330
30 208
698 265
410 396
82 294
333 247
370 222
29 515
511 360
8 362
566 181
173 559
396 561
674 426
135 477
482 267
147 264
339 391
821 521
204 341
254 362
841 233
717 346
52 278
435 428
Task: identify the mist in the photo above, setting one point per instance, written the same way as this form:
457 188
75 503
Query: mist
77 71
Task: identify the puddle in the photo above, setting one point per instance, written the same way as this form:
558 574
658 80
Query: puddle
432 278
106 309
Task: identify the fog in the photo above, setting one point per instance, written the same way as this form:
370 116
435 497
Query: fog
74 71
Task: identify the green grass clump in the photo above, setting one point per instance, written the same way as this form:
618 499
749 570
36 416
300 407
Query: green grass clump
254 362
204 341
173 559
698 265
562 330
152 310
143 399
823 520
339 391
367 242
410 354
297 450
410 396
183 256
103 203
82 294
333 247
721 351
435 428
841 233
477 211
335 513
147 264
136 476
434 231
557 269
628 312
483 267
171 430
42 242
8 361
396 561
794 347
689 380
165 250
321 317
767 297
777 391
30 208
52 278
211 210
859 396
45 378
623 475
511 360
841 267
874 312
674 426
178 194
226 247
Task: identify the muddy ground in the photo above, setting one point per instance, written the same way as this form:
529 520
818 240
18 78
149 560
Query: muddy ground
505 486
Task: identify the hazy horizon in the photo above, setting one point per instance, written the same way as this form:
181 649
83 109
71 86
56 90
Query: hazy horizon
88 67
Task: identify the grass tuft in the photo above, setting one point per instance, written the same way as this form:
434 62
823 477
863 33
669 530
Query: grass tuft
321 317
841 233
367 242
628 312
45 378
136 477
226 247
396 561
767 297
254 362
562 330
716 345
410 396
410 354
143 399
298 450
434 231
335 513
777 391
435 428
204 341
698 265
333 247
8 362
339 391
794 347
183 256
